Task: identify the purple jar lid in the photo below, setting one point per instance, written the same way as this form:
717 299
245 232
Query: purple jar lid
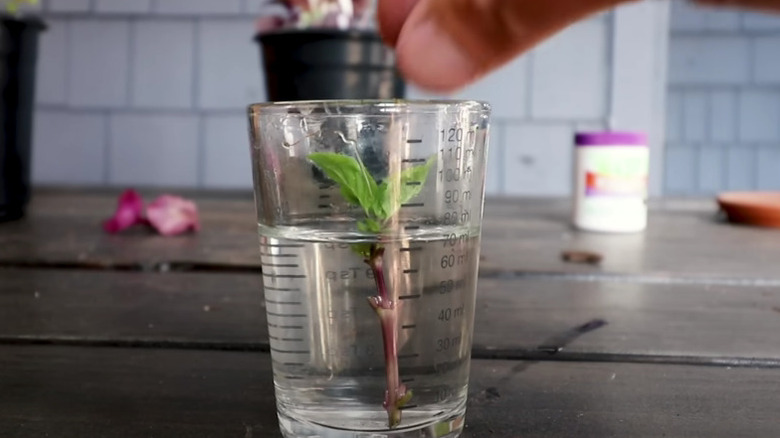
611 138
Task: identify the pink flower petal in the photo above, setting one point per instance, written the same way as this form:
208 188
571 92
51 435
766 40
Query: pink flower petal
172 215
128 213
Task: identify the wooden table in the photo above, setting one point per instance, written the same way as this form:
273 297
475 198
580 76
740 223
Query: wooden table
675 333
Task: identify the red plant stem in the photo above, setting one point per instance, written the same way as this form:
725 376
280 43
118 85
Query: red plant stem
386 310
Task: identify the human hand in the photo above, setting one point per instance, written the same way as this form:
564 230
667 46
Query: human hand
443 45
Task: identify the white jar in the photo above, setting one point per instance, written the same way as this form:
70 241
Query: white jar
611 181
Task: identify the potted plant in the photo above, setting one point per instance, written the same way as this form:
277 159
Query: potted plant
18 58
326 49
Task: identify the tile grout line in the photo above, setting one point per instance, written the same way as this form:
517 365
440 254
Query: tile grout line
195 103
502 156
107 147
132 46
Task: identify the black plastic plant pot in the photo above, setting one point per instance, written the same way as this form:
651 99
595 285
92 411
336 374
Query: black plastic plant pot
18 59
328 64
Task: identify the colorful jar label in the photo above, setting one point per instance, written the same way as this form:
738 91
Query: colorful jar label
611 172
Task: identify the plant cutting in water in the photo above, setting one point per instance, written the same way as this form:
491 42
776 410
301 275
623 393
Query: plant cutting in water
380 202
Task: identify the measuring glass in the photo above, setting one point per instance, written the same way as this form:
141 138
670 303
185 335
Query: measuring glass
369 217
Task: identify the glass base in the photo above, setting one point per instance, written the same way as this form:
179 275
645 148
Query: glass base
451 427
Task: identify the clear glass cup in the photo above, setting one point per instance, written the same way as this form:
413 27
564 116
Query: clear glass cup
369 216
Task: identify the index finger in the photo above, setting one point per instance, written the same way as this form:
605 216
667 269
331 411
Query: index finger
391 15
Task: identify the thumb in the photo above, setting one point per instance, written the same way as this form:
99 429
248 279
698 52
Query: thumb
447 44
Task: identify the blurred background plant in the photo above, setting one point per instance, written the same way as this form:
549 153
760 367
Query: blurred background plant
13 6
317 14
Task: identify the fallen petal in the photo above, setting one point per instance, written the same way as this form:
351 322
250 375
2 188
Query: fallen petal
128 213
172 215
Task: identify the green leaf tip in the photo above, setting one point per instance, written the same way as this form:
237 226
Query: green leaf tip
357 185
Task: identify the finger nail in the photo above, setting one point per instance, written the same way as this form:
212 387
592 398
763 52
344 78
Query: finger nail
430 58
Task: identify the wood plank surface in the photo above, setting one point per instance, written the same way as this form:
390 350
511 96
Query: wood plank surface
684 239
514 317
77 392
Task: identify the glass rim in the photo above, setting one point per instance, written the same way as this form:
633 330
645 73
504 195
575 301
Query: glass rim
389 105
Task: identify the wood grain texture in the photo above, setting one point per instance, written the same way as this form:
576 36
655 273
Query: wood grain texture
514 317
684 240
76 392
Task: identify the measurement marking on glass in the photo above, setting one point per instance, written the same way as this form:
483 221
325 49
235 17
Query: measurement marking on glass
411 271
413 205
266 254
324 187
407 356
293 364
284 303
267 274
412 227
287 316
291 327
275 338
403 408
411 249
414 141
323 206
413 160
294 377
407 380
414 183
276 350
281 245
274 265
409 326
324 196
410 297
281 289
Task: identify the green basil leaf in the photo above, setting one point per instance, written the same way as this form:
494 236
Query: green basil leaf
401 188
413 179
356 183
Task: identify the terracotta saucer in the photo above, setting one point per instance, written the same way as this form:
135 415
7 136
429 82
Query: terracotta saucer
752 208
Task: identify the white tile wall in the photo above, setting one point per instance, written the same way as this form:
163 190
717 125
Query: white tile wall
538 159
494 176
723 118
123 6
769 168
696 60
51 81
680 170
759 116
157 90
99 63
226 161
732 64
741 168
229 79
674 117
711 170
68 147
766 62
570 73
760 21
695 110
210 7
690 18
154 150
163 56
69 5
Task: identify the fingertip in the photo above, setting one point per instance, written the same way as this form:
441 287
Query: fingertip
391 15
430 59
